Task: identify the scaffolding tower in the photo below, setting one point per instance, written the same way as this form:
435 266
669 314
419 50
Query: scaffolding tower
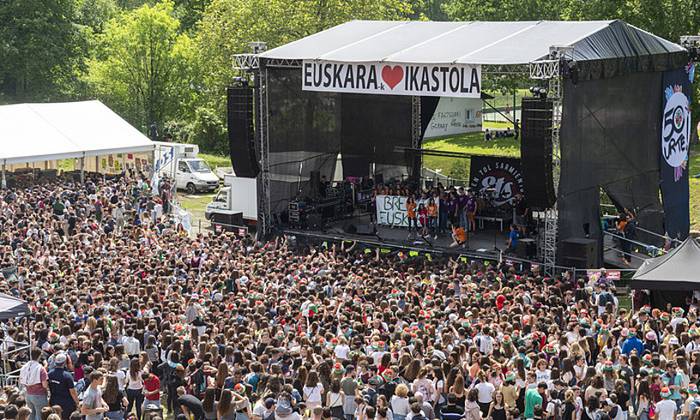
550 70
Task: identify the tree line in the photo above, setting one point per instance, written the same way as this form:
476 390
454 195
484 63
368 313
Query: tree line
168 62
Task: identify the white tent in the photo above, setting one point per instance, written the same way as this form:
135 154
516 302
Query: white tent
471 42
45 132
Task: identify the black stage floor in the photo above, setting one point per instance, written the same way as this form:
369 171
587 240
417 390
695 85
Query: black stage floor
484 243
487 243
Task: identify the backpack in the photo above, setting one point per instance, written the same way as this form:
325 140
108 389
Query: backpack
605 298
557 411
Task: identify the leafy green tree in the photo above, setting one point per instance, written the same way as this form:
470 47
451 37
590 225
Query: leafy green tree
503 10
40 50
228 26
144 67
95 13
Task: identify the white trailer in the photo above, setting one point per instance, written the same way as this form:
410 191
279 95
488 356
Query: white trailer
238 195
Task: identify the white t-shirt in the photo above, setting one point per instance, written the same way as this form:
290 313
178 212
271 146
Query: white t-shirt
341 351
400 405
313 394
486 390
665 409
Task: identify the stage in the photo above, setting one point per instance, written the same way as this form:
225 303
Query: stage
486 243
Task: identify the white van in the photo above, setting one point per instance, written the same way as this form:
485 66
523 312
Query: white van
180 161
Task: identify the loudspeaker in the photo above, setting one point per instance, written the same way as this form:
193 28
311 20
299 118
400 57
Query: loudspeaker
536 152
579 252
360 229
241 133
315 184
526 248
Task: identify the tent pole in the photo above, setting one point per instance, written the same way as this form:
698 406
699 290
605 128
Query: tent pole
4 179
82 169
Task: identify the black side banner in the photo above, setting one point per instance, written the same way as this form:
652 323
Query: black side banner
676 129
498 176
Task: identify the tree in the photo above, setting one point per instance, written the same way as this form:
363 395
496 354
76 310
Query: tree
95 13
228 26
503 10
144 68
40 49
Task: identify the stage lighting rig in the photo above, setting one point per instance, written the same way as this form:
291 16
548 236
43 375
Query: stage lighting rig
240 82
692 44
538 92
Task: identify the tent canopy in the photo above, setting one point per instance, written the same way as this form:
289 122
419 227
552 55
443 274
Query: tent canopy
676 271
39 132
11 307
495 43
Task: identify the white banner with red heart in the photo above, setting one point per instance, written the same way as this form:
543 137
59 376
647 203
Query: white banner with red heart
457 80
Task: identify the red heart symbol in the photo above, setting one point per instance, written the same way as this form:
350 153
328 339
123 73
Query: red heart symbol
392 75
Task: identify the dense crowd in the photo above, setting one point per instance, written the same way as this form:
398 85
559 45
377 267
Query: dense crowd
134 318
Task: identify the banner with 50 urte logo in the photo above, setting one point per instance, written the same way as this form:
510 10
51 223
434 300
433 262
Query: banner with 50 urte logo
454 80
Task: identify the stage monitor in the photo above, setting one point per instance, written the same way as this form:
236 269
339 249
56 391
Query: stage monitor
536 152
241 133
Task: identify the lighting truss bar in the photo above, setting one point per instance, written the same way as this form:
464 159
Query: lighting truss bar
246 62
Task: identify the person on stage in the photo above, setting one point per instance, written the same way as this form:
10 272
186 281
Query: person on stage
471 209
459 236
411 215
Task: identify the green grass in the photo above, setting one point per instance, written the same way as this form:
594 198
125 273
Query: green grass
694 166
501 125
195 204
472 143
215 161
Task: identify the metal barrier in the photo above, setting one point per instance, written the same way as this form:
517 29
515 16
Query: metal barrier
648 248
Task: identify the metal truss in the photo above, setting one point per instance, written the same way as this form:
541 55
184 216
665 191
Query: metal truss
265 221
282 62
250 62
505 69
246 62
415 122
550 69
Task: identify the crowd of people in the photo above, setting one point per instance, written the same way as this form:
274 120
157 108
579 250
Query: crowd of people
133 318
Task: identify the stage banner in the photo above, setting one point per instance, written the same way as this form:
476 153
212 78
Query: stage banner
454 80
676 129
391 210
500 175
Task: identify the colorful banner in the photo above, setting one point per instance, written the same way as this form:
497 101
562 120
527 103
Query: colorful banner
676 129
501 176
391 210
454 80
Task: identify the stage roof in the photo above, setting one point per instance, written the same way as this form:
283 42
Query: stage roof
38 132
488 43
677 270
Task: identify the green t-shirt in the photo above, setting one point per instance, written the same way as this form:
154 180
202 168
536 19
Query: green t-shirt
532 398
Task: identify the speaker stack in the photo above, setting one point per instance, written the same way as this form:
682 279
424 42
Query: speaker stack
536 152
241 132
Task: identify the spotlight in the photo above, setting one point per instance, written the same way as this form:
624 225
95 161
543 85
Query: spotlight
692 44
240 82
538 92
